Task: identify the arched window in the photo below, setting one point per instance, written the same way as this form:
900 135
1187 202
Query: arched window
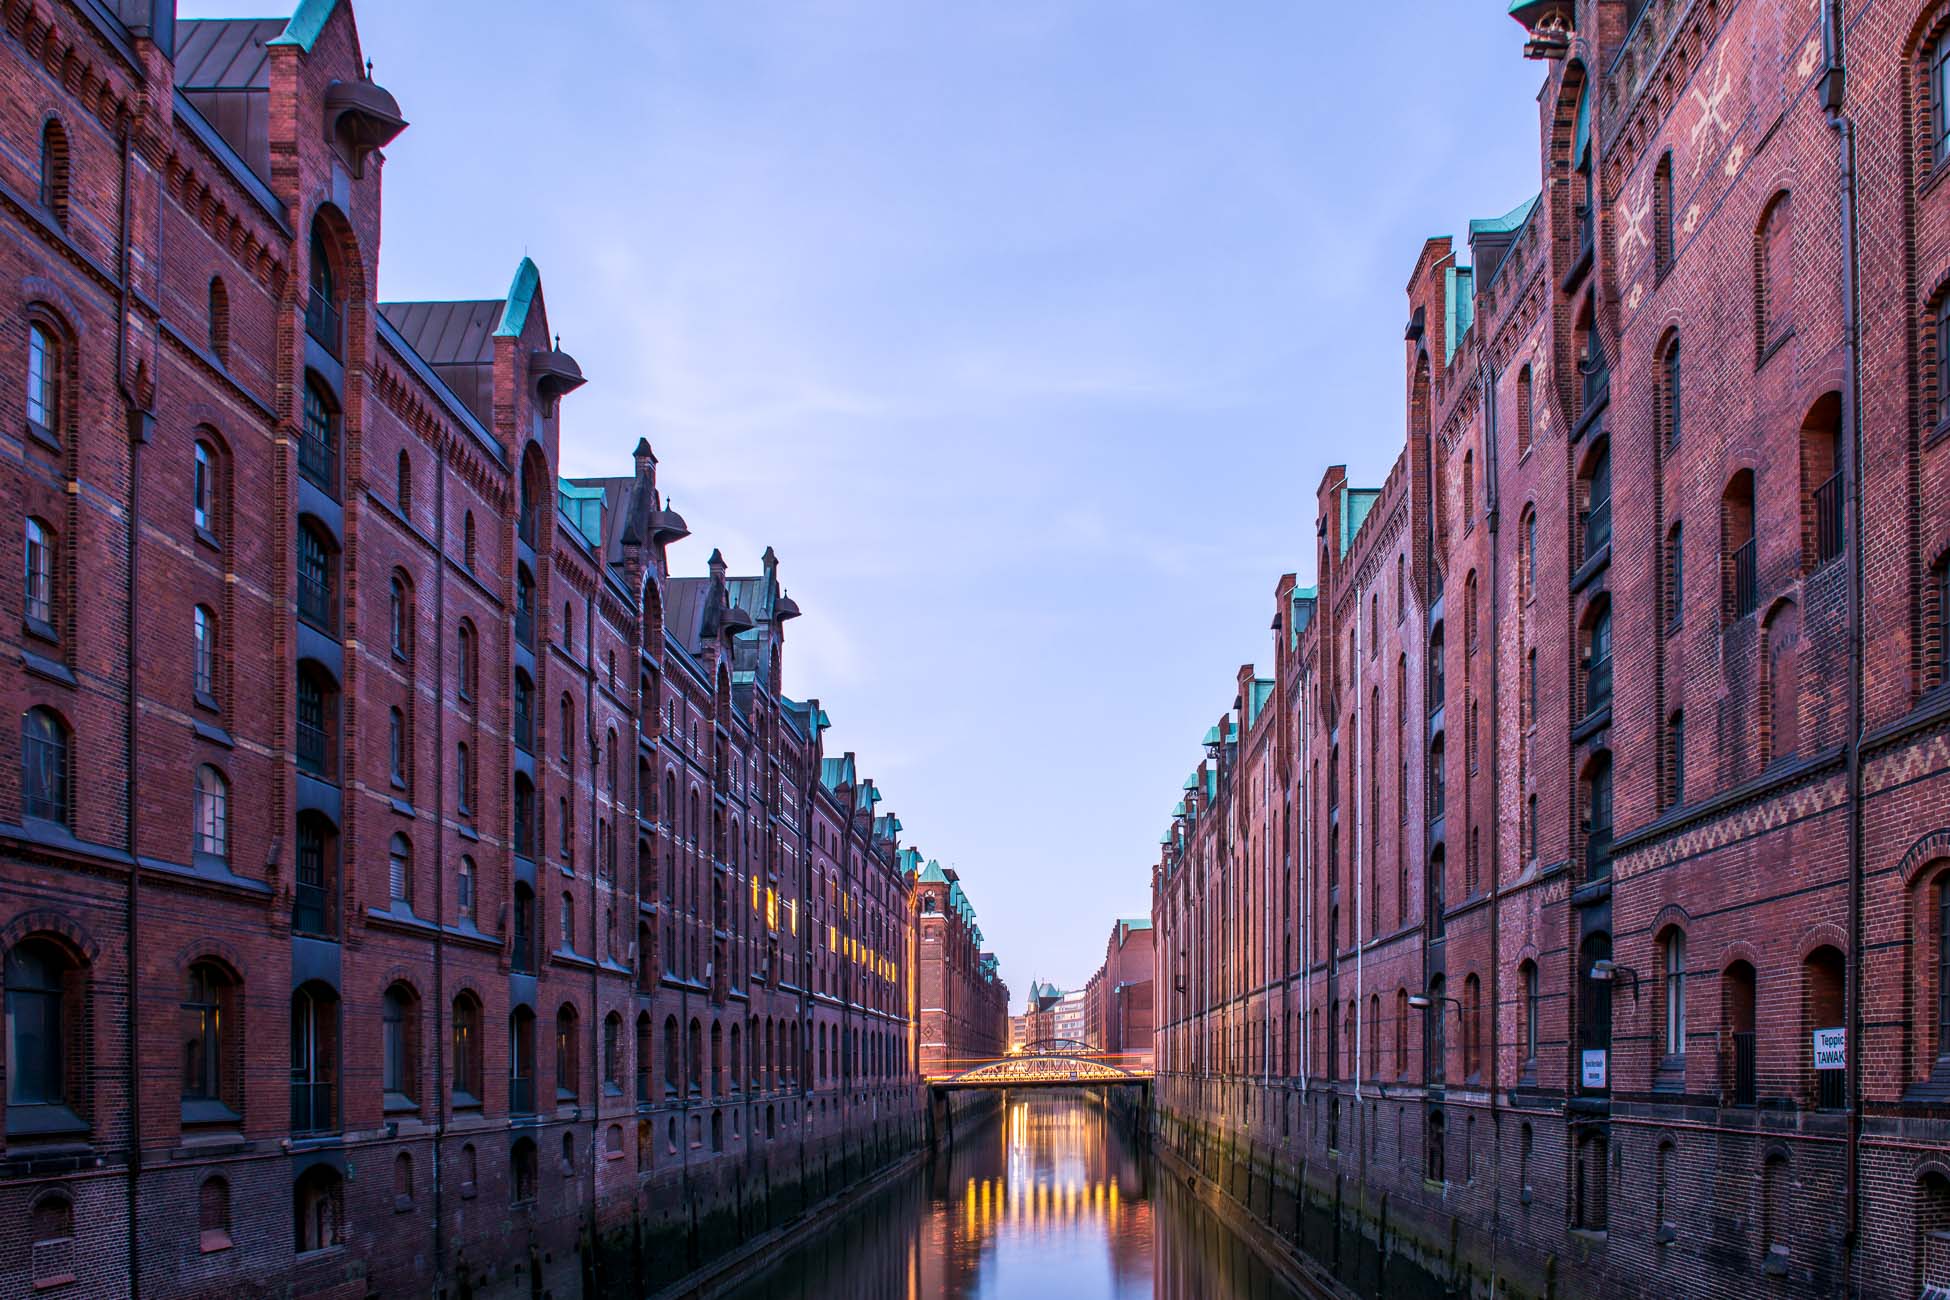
1469 612
523 957
1740 586
1773 271
1671 419
1594 505
54 171
468 661
1438 904
317 581
521 1062
43 1005
323 306
43 381
565 831
1597 657
209 1082
523 1168
1438 670
524 816
524 607
567 730
1526 414
694 1057
568 1056
1436 1030
1675 787
1597 799
399 870
1675 575
40 604
613 1053
568 922
219 339
203 658
464 778
1821 482
211 836
1937 637
314 1059
643 1063
213 1215
401 606
1469 490
399 1047
1527 1011
403 1181
1672 964
467 540
1662 246
609 762
45 767
204 489
673 1058
524 711
318 440
464 878
319 1209
315 887
397 755
403 484
466 1032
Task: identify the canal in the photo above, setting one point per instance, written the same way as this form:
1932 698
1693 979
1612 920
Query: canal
1051 1198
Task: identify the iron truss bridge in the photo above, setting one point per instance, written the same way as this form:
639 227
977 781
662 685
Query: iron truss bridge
1046 1063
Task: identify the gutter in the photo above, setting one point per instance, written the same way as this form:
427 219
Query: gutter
1833 94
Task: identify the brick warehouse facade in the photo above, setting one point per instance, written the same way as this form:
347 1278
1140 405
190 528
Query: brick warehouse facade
1118 995
961 1001
1608 760
407 883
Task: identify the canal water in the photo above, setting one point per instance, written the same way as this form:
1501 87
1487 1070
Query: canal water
1051 1199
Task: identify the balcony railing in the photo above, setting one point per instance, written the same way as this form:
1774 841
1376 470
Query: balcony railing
524 724
1831 1090
308 914
1744 586
315 601
1744 1090
1597 853
1597 527
318 460
525 627
1828 519
521 1095
1597 684
311 1107
322 322
1596 372
312 748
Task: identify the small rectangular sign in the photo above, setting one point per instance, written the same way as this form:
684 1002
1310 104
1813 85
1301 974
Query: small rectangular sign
1831 1049
1594 1067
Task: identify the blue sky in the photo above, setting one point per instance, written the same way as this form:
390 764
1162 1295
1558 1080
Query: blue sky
1023 331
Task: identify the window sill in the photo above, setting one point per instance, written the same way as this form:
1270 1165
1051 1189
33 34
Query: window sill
52 670
40 630
40 433
211 732
398 1103
213 1240
467 1191
44 1120
1767 353
208 538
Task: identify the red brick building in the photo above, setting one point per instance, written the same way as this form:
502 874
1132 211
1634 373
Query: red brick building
407 881
963 1005
1598 799
1117 997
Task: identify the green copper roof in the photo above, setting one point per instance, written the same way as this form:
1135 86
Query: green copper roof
1211 783
1191 782
1211 735
932 874
1165 838
1355 505
305 25
836 772
1459 298
910 860
583 507
1178 809
1260 691
1301 615
521 296
1504 224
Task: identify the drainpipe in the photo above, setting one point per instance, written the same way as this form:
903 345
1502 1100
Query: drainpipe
1833 91
1355 847
1492 519
442 1093
598 1024
141 424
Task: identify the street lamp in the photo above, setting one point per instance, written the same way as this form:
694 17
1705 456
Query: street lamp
1422 1002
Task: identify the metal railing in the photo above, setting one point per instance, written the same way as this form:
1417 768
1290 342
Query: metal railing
1597 684
315 601
318 460
1744 1088
524 721
308 912
1596 526
1828 519
1745 590
313 748
322 322
311 1107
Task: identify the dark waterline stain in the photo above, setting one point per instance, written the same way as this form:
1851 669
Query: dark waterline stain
1052 1199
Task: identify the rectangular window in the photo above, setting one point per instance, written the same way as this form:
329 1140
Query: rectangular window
1939 103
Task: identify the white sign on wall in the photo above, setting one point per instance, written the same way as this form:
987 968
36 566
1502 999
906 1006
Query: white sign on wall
1594 1067
1831 1049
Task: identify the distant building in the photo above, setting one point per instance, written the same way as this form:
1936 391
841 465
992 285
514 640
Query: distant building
1067 1018
1038 1017
963 1003
1117 999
